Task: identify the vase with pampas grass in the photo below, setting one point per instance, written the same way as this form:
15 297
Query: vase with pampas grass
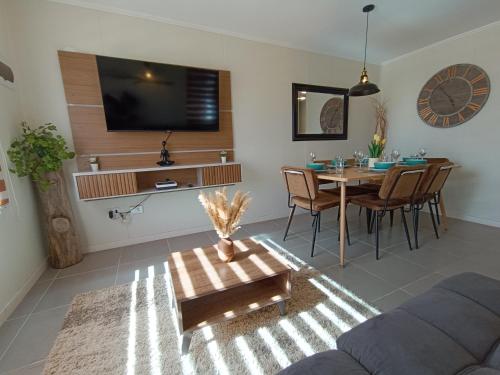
225 217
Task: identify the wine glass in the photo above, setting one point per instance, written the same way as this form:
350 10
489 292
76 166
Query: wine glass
395 154
422 153
312 155
361 157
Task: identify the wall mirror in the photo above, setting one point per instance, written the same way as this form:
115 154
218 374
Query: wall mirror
319 112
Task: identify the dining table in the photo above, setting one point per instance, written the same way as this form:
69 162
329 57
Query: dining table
355 174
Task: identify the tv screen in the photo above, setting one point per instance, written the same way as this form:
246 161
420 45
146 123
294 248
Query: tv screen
140 95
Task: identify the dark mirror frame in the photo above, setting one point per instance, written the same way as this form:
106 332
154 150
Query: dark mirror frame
296 136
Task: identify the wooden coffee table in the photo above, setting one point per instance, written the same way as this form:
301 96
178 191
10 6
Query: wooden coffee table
206 290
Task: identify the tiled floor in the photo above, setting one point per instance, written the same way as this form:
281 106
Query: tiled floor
26 338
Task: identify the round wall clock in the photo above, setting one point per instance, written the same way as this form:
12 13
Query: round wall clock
331 118
453 95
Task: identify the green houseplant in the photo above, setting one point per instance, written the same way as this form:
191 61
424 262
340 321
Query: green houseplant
375 150
39 153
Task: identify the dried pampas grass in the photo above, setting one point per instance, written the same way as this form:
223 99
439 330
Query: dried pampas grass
225 216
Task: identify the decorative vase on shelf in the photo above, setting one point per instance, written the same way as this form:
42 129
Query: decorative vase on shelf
225 249
372 161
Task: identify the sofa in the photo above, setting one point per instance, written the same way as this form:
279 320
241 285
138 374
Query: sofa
453 328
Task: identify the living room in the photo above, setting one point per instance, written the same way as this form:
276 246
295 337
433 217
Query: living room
96 263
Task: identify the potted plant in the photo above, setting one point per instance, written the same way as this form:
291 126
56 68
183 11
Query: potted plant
225 217
223 156
375 150
94 163
39 153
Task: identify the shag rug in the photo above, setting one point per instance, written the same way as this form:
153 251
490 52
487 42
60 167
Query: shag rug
131 329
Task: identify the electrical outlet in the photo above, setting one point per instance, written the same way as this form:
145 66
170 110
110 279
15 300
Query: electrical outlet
137 210
113 213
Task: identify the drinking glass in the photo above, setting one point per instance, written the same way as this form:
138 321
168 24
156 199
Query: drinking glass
312 155
339 164
395 154
422 153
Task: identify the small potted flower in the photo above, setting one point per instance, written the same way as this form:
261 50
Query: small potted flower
223 156
375 150
225 217
94 164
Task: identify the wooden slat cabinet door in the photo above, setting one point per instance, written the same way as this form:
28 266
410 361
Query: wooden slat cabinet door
106 185
221 175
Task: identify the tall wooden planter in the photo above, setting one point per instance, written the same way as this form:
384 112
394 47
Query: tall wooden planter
64 247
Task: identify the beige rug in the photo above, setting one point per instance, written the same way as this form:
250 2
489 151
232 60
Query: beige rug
130 329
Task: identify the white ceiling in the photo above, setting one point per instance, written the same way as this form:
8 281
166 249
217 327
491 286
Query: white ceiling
333 27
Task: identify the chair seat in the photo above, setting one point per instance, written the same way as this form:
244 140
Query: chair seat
350 191
322 202
372 187
373 202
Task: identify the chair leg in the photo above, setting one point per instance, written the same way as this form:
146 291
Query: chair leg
315 230
405 224
360 210
368 219
433 220
319 222
416 212
377 222
347 231
374 215
292 210
436 206
338 214
391 214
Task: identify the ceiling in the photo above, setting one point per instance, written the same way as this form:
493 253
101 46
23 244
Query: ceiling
333 27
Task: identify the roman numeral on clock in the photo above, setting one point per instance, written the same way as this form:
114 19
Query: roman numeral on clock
473 106
425 112
481 91
477 78
446 121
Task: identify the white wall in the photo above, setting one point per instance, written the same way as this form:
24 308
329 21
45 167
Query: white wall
22 255
261 88
472 191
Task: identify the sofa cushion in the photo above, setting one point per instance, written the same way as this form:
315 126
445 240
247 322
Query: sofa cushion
332 362
493 359
478 370
450 312
400 343
479 288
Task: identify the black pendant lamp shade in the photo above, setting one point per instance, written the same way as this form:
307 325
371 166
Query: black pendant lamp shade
365 87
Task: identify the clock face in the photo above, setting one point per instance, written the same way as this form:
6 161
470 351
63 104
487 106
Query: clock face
332 116
453 95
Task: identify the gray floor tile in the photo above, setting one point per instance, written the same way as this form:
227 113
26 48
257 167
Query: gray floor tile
189 241
146 250
362 283
391 268
34 369
322 258
388 237
62 291
49 274
430 258
141 269
93 261
35 339
423 284
392 300
32 298
239 235
355 250
482 265
8 331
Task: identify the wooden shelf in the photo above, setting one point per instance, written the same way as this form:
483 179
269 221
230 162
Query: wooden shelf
109 184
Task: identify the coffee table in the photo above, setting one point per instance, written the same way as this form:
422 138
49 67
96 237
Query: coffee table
205 290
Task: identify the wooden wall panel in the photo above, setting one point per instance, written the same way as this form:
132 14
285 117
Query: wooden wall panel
223 174
113 162
105 185
91 137
88 122
80 78
183 177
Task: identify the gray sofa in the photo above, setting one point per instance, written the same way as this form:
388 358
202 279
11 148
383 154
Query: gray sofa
454 328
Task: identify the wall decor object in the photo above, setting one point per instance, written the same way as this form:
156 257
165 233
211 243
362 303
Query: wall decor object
319 112
6 72
453 95
4 198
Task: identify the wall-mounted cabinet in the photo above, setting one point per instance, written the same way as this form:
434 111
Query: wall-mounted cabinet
119 183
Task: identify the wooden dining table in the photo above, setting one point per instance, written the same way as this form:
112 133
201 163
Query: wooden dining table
355 174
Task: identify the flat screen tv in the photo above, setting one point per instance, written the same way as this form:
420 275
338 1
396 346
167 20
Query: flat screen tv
148 96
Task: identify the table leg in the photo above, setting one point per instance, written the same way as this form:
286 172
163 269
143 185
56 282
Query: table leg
282 307
342 222
185 342
444 217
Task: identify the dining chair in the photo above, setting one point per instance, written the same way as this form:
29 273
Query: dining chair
429 192
436 199
397 191
303 191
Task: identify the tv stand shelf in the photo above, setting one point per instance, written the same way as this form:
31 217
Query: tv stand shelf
107 184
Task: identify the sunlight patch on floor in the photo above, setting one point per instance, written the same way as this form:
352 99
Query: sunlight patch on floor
318 330
152 324
295 335
274 346
248 356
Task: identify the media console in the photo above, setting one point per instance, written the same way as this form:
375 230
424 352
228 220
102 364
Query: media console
141 181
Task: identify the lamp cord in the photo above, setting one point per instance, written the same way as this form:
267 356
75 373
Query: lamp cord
366 39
